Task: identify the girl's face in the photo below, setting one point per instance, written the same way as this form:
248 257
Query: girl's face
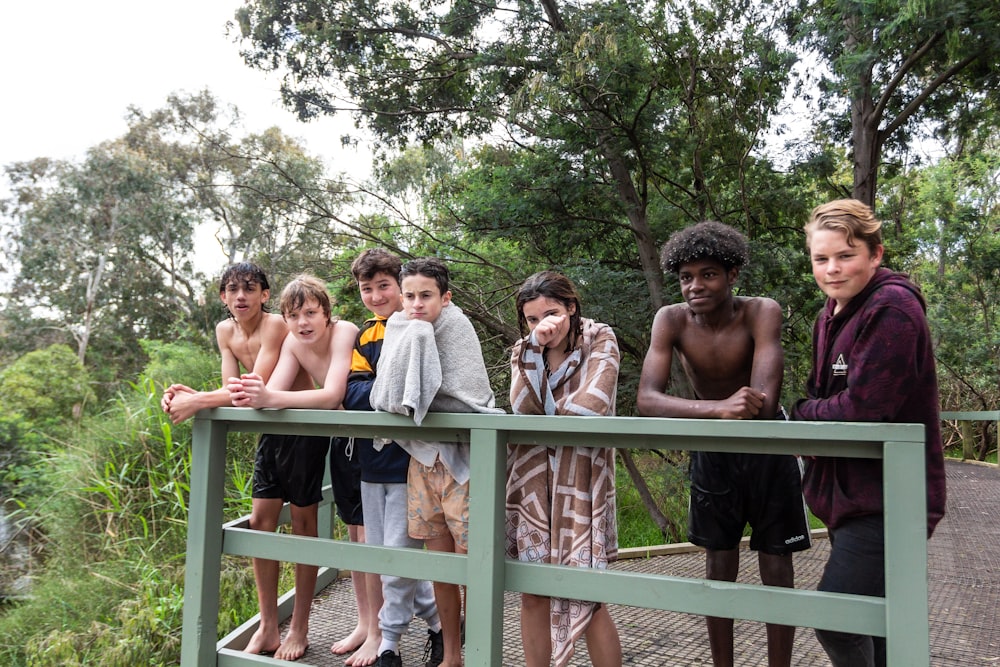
549 320
841 270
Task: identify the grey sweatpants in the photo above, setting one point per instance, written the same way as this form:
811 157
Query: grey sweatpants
384 508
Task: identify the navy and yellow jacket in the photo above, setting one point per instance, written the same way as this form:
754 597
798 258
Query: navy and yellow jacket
388 465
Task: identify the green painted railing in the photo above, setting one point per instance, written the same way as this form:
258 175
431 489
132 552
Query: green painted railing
901 616
965 420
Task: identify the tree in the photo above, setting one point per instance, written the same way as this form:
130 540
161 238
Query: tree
899 64
102 249
644 101
260 193
951 220
93 242
47 387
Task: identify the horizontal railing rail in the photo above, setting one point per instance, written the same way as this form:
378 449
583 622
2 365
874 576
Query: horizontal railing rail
965 419
901 616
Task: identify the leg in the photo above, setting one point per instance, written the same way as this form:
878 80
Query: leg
373 532
360 635
536 624
856 566
368 652
778 571
721 566
345 477
603 644
297 640
449 604
264 516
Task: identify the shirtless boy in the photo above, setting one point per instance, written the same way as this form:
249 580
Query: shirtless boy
292 469
730 349
249 338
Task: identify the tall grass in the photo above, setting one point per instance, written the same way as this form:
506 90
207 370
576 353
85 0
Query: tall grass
666 476
114 513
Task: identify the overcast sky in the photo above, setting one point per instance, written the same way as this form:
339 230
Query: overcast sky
70 68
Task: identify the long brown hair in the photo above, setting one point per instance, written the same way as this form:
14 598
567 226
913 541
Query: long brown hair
555 286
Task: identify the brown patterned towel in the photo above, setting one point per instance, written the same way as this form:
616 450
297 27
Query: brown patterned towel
561 500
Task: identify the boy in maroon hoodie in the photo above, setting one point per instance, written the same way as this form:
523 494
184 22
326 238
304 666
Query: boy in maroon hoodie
873 360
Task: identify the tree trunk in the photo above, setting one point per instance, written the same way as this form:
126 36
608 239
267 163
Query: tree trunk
635 208
668 527
864 124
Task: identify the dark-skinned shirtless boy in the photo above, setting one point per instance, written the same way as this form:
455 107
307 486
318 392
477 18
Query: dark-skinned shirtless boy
730 350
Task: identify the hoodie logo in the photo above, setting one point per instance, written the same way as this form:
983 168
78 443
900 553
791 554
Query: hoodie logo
840 366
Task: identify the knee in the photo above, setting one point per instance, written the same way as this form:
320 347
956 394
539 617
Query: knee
534 603
260 521
304 526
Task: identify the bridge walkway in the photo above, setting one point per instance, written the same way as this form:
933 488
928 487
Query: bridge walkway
964 590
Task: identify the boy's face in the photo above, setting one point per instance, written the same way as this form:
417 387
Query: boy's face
841 270
422 300
307 323
381 294
706 285
244 298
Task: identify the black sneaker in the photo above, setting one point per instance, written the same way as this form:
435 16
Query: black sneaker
434 649
389 659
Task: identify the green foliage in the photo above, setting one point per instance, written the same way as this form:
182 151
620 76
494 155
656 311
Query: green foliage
47 387
889 70
180 363
666 475
113 505
21 456
950 220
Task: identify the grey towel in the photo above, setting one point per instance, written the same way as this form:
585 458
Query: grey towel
435 367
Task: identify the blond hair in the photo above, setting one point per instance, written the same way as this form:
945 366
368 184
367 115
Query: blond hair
851 217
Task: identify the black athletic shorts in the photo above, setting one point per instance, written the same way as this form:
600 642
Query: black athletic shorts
345 476
290 467
729 491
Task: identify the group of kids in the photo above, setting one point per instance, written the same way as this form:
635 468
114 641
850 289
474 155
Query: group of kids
418 353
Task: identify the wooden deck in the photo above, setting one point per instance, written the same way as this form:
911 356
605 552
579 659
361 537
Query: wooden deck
964 575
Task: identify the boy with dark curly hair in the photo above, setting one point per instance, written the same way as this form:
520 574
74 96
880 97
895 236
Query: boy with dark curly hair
730 349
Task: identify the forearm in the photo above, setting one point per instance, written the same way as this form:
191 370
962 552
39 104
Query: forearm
316 399
655 404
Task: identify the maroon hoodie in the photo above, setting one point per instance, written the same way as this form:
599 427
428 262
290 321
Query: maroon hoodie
872 362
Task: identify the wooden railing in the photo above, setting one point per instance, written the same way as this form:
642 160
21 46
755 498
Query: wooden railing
901 616
965 420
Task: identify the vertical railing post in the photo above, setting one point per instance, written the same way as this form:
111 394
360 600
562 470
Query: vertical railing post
485 563
905 503
204 543
967 428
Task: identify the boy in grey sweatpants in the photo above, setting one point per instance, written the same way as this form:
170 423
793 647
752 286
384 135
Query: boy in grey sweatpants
383 477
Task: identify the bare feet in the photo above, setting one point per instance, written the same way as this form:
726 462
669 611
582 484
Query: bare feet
368 653
264 641
293 648
350 642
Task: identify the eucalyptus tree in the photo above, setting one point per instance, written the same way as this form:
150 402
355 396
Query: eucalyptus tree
606 124
892 67
93 242
260 194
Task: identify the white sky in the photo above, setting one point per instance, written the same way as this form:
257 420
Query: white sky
70 68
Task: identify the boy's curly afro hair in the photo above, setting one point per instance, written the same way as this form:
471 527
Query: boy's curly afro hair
705 240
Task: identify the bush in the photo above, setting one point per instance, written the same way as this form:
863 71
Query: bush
115 513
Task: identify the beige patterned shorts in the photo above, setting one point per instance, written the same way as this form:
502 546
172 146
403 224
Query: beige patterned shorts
436 504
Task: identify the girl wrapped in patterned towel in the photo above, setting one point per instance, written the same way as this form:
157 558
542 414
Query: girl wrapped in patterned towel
561 500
